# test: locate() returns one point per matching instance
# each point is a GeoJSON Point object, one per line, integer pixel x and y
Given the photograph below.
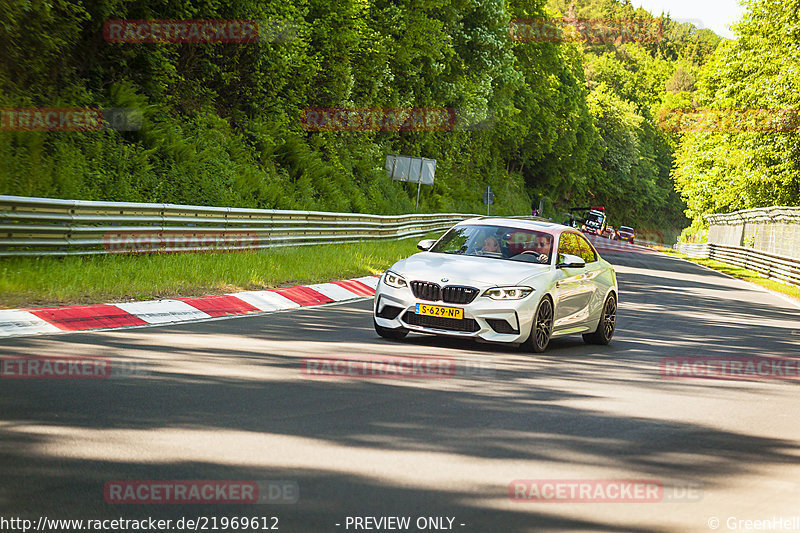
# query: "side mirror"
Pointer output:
{"type": "Point", "coordinates": [426, 244]}
{"type": "Point", "coordinates": [570, 261]}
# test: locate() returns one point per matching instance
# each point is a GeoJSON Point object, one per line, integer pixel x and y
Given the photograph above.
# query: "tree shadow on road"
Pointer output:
{"type": "Point", "coordinates": [244, 378]}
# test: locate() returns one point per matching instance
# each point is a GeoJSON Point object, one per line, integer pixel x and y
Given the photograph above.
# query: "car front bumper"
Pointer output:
{"type": "Point", "coordinates": [507, 321]}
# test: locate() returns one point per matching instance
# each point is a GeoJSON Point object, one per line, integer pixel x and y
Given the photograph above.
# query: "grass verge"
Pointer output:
{"type": "Point", "coordinates": [741, 273]}
{"type": "Point", "coordinates": [45, 281]}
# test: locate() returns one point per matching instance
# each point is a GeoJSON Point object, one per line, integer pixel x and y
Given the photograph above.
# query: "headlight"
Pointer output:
{"type": "Point", "coordinates": [508, 293]}
{"type": "Point", "coordinates": [393, 280]}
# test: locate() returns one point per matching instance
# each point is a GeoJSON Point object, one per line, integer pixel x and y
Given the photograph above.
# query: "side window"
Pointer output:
{"type": "Point", "coordinates": [585, 250]}
{"type": "Point", "coordinates": [567, 245]}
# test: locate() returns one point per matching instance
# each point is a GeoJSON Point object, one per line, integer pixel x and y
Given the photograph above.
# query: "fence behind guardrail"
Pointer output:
{"type": "Point", "coordinates": [773, 230]}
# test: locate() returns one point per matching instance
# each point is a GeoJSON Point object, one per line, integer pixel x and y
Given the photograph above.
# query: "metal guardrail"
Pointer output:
{"type": "Point", "coordinates": [652, 244]}
{"type": "Point", "coordinates": [772, 266]}
{"type": "Point", "coordinates": [45, 226]}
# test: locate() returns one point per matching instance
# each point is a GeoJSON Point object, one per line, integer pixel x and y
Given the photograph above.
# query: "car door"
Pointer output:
{"type": "Point", "coordinates": [591, 291]}
{"type": "Point", "coordinates": [569, 292]}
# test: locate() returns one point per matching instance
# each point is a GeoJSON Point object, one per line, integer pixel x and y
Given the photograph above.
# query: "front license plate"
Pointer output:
{"type": "Point", "coordinates": [438, 310]}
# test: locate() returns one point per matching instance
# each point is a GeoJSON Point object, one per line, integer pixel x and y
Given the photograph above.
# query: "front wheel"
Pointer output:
{"type": "Point", "coordinates": [541, 329]}
{"type": "Point", "coordinates": [608, 321]}
{"type": "Point", "coordinates": [390, 333]}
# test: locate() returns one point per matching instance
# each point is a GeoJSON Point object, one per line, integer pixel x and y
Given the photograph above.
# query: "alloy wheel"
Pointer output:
{"type": "Point", "coordinates": [609, 317]}
{"type": "Point", "coordinates": [544, 324]}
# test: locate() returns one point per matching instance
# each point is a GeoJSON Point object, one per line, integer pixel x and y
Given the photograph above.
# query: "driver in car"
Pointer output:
{"type": "Point", "coordinates": [542, 247]}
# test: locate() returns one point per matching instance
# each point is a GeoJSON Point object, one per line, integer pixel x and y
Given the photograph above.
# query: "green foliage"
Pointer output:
{"type": "Point", "coordinates": [569, 123]}
{"type": "Point", "coordinates": [629, 158]}
{"type": "Point", "coordinates": [722, 171]}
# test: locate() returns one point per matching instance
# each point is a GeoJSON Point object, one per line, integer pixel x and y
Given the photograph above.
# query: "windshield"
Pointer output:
{"type": "Point", "coordinates": [594, 219]}
{"type": "Point", "coordinates": [497, 242]}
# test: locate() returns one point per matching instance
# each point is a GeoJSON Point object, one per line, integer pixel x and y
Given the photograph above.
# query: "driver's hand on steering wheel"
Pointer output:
{"type": "Point", "coordinates": [540, 257]}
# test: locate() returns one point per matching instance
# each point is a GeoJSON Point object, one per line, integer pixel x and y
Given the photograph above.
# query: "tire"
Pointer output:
{"type": "Point", "coordinates": [541, 329]}
{"type": "Point", "coordinates": [394, 334]}
{"type": "Point", "coordinates": [608, 321]}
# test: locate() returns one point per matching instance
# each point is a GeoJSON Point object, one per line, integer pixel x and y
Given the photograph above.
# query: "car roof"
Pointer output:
{"type": "Point", "coordinates": [520, 223]}
{"type": "Point", "coordinates": [626, 227]}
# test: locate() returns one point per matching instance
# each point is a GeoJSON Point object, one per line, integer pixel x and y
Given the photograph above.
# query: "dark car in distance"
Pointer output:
{"type": "Point", "coordinates": [626, 233]}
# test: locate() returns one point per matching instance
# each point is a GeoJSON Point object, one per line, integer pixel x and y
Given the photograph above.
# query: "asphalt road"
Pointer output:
{"type": "Point", "coordinates": [229, 400]}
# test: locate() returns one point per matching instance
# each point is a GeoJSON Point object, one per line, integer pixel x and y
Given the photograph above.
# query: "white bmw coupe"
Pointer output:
{"type": "Point", "coordinates": [501, 280]}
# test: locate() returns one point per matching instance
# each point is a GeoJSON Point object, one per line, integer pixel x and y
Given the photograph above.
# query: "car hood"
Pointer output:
{"type": "Point", "coordinates": [466, 270]}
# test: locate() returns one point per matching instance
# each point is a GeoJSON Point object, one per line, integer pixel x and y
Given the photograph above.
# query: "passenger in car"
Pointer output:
{"type": "Point", "coordinates": [490, 246]}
